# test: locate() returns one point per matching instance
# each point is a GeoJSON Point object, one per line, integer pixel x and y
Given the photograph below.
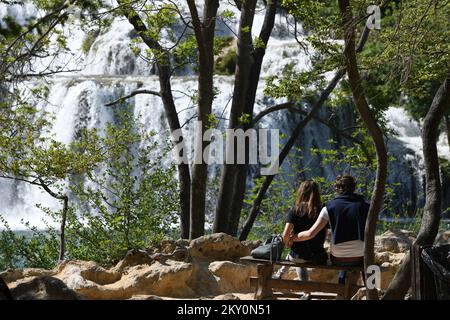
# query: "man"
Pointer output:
{"type": "Point", "coordinates": [346, 214]}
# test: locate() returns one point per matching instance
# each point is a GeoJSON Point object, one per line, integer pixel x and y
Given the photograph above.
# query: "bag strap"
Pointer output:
{"type": "Point", "coordinates": [273, 243]}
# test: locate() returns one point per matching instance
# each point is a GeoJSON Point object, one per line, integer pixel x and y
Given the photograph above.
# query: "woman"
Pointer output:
{"type": "Point", "coordinates": [302, 217]}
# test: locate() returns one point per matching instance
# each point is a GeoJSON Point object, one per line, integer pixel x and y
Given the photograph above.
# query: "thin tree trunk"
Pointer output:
{"type": "Point", "coordinates": [184, 176]}
{"type": "Point", "coordinates": [62, 245]}
{"type": "Point", "coordinates": [204, 34]}
{"type": "Point", "coordinates": [433, 197]}
{"type": "Point", "coordinates": [62, 230]}
{"type": "Point", "coordinates": [248, 224]}
{"type": "Point", "coordinates": [374, 131]}
{"type": "Point", "coordinates": [164, 74]}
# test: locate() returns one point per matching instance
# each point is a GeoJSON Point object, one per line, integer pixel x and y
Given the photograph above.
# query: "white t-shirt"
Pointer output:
{"type": "Point", "coordinates": [348, 249]}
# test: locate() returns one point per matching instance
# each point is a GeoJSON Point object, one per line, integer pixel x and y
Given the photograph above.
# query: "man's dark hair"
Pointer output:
{"type": "Point", "coordinates": [345, 184]}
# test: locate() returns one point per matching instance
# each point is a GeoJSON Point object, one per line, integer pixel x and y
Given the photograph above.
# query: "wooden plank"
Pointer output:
{"type": "Point", "coordinates": [288, 295]}
{"type": "Point", "coordinates": [323, 296]}
{"type": "Point", "coordinates": [350, 284]}
{"type": "Point", "coordinates": [301, 296]}
{"type": "Point", "coordinates": [304, 265]}
{"type": "Point", "coordinates": [263, 289]}
{"type": "Point", "coordinates": [305, 286]}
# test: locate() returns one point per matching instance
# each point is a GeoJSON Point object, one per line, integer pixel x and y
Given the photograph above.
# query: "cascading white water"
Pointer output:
{"type": "Point", "coordinates": [110, 70]}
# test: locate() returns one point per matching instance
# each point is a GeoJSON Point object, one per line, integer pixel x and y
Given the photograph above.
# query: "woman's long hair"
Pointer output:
{"type": "Point", "coordinates": [308, 199]}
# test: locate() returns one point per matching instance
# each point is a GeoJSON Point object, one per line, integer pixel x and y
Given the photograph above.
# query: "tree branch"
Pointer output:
{"type": "Point", "coordinates": [132, 94]}
{"type": "Point", "coordinates": [196, 24]}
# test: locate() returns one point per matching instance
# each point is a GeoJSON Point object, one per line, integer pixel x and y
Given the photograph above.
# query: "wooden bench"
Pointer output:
{"type": "Point", "coordinates": [264, 282]}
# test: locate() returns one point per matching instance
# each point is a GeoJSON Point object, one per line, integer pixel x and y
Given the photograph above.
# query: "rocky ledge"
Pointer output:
{"type": "Point", "coordinates": [206, 268]}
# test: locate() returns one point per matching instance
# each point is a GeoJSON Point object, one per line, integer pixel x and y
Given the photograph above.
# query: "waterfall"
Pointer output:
{"type": "Point", "coordinates": [110, 70]}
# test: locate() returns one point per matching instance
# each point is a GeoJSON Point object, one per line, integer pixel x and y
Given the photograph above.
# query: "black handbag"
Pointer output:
{"type": "Point", "coordinates": [271, 250]}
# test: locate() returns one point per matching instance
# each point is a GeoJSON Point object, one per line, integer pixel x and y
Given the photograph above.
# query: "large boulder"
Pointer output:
{"type": "Point", "coordinates": [93, 282]}
{"type": "Point", "coordinates": [220, 246]}
{"type": "Point", "coordinates": [232, 277]}
{"type": "Point", "coordinates": [41, 288]}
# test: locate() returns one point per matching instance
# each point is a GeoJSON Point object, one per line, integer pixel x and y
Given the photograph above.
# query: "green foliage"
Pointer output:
{"type": "Point", "coordinates": [258, 43]}
{"type": "Point", "coordinates": [245, 29]}
{"type": "Point", "coordinates": [186, 51]}
{"type": "Point", "coordinates": [396, 222]}
{"type": "Point", "coordinates": [32, 248]}
{"type": "Point", "coordinates": [89, 40]}
{"type": "Point", "coordinates": [131, 202]}
{"type": "Point", "coordinates": [213, 121]}
{"type": "Point", "coordinates": [409, 57]}
{"type": "Point", "coordinates": [226, 64]}
{"type": "Point", "coordinates": [244, 119]}
{"type": "Point", "coordinates": [294, 85]}
{"type": "Point", "coordinates": [227, 14]}
{"type": "Point", "coordinates": [220, 43]}
{"type": "Point", "coordinates": [128, 200]}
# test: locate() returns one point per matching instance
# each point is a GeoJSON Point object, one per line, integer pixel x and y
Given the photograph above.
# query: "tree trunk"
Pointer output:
{"type": "Point", "coordinates": [240, 179]}
{"type": "Point", "coordinates": [243, 67]}
{"type": "Point", "coordinates": [164, 74]}
{"type": "Point", "coordinates": [62, 230]}
{"type": "Point", "coordinates": [374, 131]}
{"type": "Point", "coordinates": [204, 34]}
{"type": "Point", "coordinates": [248, 224]}
{"type": "Point", "coordinates": [184, 176]}
{"type": "Point", "coordinates": [62, 244]}
{"type": "Point", "coordinates": [234, 176]}
{"type": "Point", "coordinates": [433, 197]}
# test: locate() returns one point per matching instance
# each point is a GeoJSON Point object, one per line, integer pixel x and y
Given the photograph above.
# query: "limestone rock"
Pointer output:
{"type": "Point", "coordinates": [443, 238]}
{"type": "Point", "coordinates": [133, 258]}
{"type": "Point", "coordinates": [167, 245]}
{"type": "Point", "coordinates": [14, 275]}
{"type": "Point", "coordinates": [232, 276]}
{"type": "Point", "coordinates": [323, 275]}
{"type": "Point", "coordinates": [169, 279]}
{"type": "Point", "coordinates": [219, 246]}
{"type": "Point", "coordinates": [42, 288]}
{"type": "Point", "coordinates": [227, 296]}
{"type": "Point", "coordinates": [394, 241]}
{"type": "Point", "coordinates": [78, 273]}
